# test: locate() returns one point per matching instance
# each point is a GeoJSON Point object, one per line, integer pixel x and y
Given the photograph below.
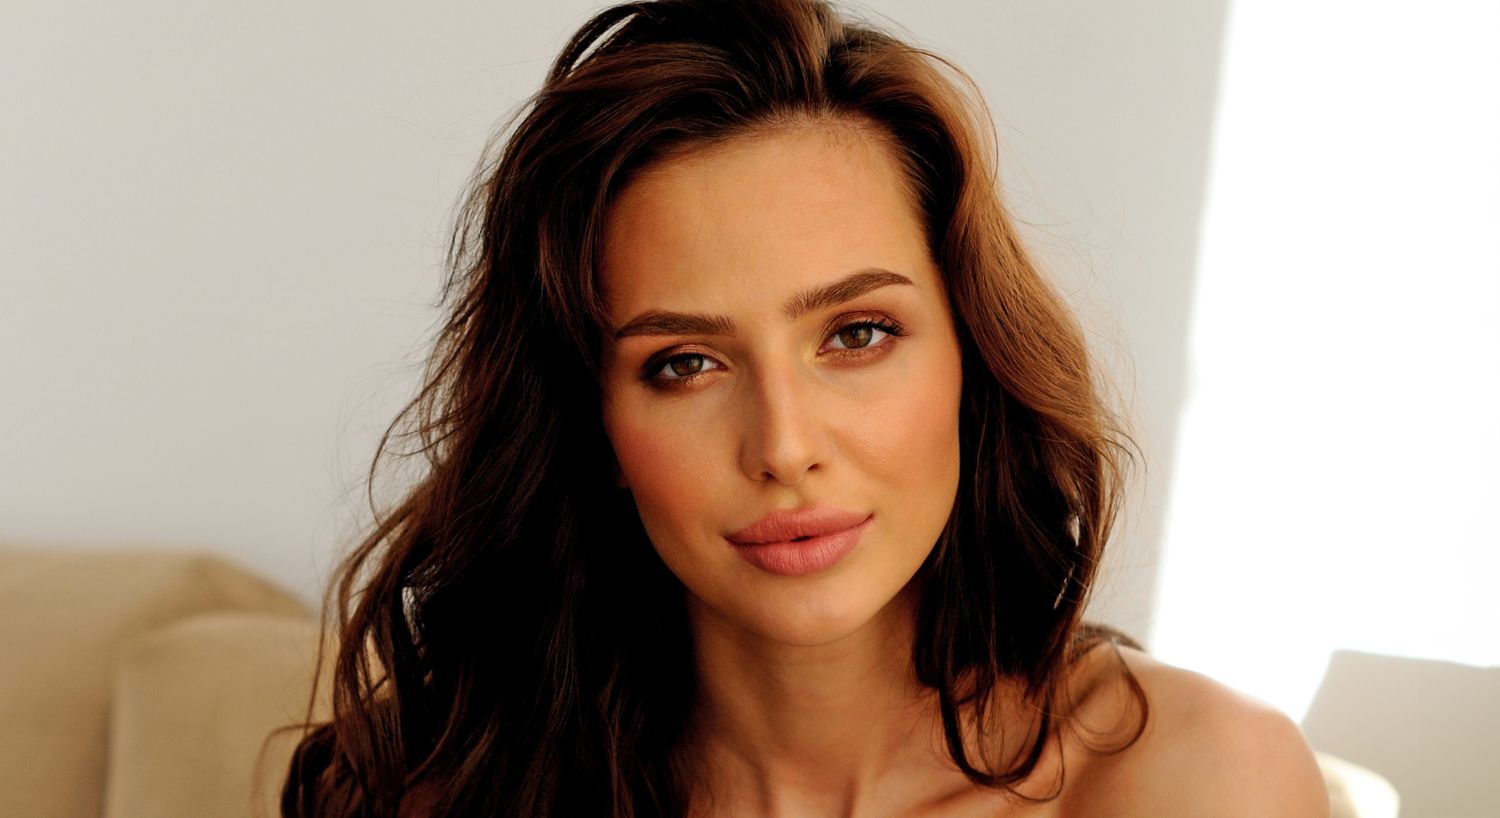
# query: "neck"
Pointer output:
{"type": "Point", "coordinates": [838, 729]}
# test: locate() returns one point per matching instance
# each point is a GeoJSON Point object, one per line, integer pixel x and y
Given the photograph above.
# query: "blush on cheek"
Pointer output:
{"type": "Point", "coordinates": [658, 469]}
{"type": "Point", "coordinates": [911, 431]}
{"type": "Point", "coordinates": [937, 405]}
{"type": "Point", "coordinates": [673, 495]}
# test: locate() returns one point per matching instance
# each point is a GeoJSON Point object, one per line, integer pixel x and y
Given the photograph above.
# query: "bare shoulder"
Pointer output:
{"type": "Point", "coordinates": [1206, 750]}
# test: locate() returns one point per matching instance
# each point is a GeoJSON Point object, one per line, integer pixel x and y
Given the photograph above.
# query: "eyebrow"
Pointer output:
{"type": "Point", "coordinates": [848, 288]}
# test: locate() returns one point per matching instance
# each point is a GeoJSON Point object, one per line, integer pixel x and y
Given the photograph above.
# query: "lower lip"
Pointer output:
{"type": "Point", "coordinates": [793, 559]}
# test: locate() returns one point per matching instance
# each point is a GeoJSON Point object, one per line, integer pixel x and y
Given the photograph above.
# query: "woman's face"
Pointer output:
{"type": "Point", "coordinates": [779, 402]}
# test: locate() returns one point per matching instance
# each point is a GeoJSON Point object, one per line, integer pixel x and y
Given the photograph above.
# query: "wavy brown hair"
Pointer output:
{"type": "Point", "coordinates": [492, 659]}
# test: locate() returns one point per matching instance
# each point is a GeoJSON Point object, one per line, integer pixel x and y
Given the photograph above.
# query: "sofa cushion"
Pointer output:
{"type": "Point", "coordinates": [194, 710]}
{"type": "Point", "coordinates": [63, 616]}
{"type": "Point", "coordinates": [1355, 791]}
{"type": "Point", "coordinates": [1431, 727]}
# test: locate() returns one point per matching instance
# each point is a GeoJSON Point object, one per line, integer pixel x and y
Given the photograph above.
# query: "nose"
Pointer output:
{"type": "Point", "coordinates": [785, 432]}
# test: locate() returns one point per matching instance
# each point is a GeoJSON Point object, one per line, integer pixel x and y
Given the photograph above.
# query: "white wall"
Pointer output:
{"type": "Point", "coordinates": [223, 225]}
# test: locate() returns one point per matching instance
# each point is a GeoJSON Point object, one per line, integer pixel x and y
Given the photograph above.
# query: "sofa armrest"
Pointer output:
{"type": "Point", "coordinates": [194, 704]}
{"type": "Point", "coordinates": [64, 614]}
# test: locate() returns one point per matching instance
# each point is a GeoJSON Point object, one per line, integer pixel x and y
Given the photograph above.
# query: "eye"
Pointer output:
{"type": "Point", "coordinates": [855, 339]}
{"type": "Point", "coordinates": [684, 367]}
{"type": "Point", "coordinates": [861, 335]}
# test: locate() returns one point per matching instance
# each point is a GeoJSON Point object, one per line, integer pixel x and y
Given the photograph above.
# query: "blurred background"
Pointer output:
{"type": "Point", "coordinates": [222, 230]}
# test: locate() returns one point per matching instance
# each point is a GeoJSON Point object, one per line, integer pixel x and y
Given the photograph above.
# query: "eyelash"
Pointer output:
{"type": "Point", "coordinates": [656, 365]}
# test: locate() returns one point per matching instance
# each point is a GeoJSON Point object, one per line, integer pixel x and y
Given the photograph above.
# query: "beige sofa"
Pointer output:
{"type": "Point", "coordinates": [142, 684]}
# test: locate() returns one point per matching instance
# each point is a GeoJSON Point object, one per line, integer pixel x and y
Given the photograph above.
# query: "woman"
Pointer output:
{"type": "Point", "coordinates": [767, 475]}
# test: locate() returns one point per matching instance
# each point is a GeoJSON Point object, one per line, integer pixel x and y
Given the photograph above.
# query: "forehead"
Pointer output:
{"type": "Point", "coordinates": [740, 225]}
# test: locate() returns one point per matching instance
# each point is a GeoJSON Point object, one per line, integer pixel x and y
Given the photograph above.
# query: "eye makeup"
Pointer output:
{"type": "Point", "coordinates": [651, 373]}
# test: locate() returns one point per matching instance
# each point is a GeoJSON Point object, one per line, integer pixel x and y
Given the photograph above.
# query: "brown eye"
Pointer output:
{"type": "Point", "coordinates": [857, 336]}
{"type": "Point", "coordinates": [678, 368]}
{"type": "Point", "coordinates": [686, 365]}
{"type": "Point", "coordinates": [860, 335]}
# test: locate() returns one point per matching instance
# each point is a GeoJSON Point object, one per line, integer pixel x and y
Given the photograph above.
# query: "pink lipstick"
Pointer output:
{"type": "Point", "coordinates": [799, 542]}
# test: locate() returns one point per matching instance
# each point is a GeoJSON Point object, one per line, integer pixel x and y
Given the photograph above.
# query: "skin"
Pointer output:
{"type": "Point", "coordinates": [810, 706]}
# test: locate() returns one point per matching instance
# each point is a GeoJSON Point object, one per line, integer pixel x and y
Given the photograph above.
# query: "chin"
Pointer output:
{"type": "Point", "coordinates": [810, 617]}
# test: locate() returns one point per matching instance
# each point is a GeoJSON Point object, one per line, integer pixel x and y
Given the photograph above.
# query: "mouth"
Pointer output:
{"type": "Point", "coordinates": [800, 526]}
{"type": "Point", "coordinates": [803, 554]}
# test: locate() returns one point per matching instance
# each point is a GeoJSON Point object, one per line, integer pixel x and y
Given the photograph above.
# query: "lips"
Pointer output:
{"type": "Point", "coordinates": [790, 526]}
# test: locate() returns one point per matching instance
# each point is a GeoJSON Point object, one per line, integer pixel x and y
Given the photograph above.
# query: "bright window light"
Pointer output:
{"type": "Point", "coordinates": [1338, 473]}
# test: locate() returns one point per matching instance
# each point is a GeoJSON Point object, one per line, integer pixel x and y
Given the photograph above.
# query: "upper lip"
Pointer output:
{"type": "Point", "coordinates": [780, 526]}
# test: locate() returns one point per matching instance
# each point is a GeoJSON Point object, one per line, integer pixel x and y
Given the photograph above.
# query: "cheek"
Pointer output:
{"type": "Point", "coordinates": [927, 472]}
{"type": "Point", "coordinates": [909, 433]}
{"type": "Point", "coordinates": [658, 463]}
